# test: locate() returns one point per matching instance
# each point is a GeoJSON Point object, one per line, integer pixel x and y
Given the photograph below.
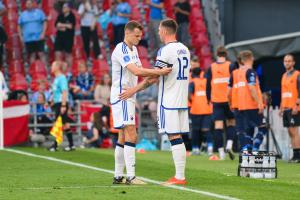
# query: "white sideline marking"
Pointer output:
{"type": "Point", "coordinates": [112, 172]}
{"type": "Point", "coordinates": [76, 187]}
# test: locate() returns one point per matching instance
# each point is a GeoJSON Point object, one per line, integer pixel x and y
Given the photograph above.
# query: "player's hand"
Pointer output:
{"type": "Point", "coordinates": [42, 36]}
{"type": "Point", "coordinates": [165, 70]}
{"type": "Point", "coordinates": [280, 113]}
{"type": "Point", "coordinates": [127, 93]}
{"type": "Point", "coordinates": [63, 109]}
{"type": "Point", "coordinates": [295, 110]}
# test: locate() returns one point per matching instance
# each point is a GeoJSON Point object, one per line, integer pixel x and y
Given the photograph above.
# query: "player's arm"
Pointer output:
{"type": "Point", "coordinates": [208, 84]}
{"type": "Point", "coordinates": [129, 92]}
{"type": "Point", "coordinates": [295, 109]}
{"type": "Point", "coordinates": [191, 91]}
{"type": "Point", "coordinates": [139, 71]}
{"type": "Point", "coordinates": [251, 79]}
{"type": "Point", "coordinates": [229, 93]}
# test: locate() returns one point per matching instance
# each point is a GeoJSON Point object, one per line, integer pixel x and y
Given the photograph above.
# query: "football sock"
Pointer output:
{"type": "Point", "coordinates": [179, 157]}
{"type": "Point", "coordinates": [119, 160]}
{"type": "Point", "coordinates": [129, 156]}
{"type": "Point", "coordinates": [196, 138]}
{"type": "Point", "coordinates": [219, 141]}
{"type": "Point", "coordinates": [230, 136]}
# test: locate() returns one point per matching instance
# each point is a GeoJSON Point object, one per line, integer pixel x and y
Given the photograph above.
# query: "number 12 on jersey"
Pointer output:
{"type": "Point", "coordinates": [183, 64]}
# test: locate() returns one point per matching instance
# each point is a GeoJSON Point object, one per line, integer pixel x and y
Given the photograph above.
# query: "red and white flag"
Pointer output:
{"type": "Point", "coordinates": [15, 119]}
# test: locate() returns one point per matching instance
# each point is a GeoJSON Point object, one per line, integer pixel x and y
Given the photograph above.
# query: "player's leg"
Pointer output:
{"type": "Point", "coordinates": [196, 126]}
{"type": "Point", "coordinates": [293, 129]}
{"type": "Point", "coordinates": [130, 142]}
{"type": "Point", "coordinates": [219, 117]}
{"type": "Point", "coordinates": [119, 159]}
{"type": "Point", "coordinates": [206, 129]}
{"type": "Point", "coordinates": [118, 120]}
{"type": "Point", "coordinates": [176, 124]}
{"type": "Point", "coordinates": [242, 131]}
{"type": "Point", "coordinates": [230, 130]}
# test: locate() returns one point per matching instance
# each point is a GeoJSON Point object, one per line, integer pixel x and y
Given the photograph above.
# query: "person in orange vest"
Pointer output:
{"type": "Point", "coordinates": [290, 101]}
{"type": "Point", "coordinates": [249, 103]}
{"type": "Point", "coordinates": [216, 88]}
{"type": "Point", "coordinates": [200, 112]}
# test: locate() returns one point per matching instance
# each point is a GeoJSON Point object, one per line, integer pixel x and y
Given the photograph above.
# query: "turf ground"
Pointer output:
{"type": "Point", "coordinates": [26, 177]}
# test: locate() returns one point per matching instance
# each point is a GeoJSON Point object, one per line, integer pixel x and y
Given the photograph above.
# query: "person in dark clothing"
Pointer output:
{"type": "Point", "coordinates": [182, 12]}
{"type": "Point", "coordinates": [88, 11]}
{"type": "Point", "coordinates": [65, 24]}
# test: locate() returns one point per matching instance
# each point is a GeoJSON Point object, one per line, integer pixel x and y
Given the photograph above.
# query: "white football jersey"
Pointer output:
{"type": "Point", "coordinates": [121, 76]}
{"type": "Point", "coordinates": [173, 88]}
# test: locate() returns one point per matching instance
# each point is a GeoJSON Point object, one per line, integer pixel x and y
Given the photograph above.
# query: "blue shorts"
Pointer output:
{"type": "Point", "coordinates": [200, 122]}
{"type": "Point", "coordinates": [221, 111]}
{"type": "Point", "coordinates": [249, 119]}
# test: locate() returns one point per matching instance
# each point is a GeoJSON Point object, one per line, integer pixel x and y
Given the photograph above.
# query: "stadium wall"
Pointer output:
{"type": "Point", "coordinates": [250, 19]}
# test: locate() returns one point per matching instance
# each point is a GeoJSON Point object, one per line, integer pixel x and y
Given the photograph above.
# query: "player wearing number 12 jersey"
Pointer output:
{"type": "Point", "coordinates": [173, 94]}
{"type": "Point", "coordinates": [172, 109]}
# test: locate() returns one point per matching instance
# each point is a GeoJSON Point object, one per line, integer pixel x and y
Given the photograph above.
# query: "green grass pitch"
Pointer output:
{"type": "Point", "coordinates": [24, 177]}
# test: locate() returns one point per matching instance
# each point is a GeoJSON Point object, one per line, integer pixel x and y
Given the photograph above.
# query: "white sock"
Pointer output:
{"type": "Point", "coordinates": [119, 161]}
{"type": "Point", "coordinates": [179, 157]}
{"type": "Point", "coordinates": [129, 155]}
{"type": "Point", "coordinates": [229, 144]}
{"type": "Point", "coordinates": [222, 153]}
{"type": "Point", "coordinates": [210, 149]}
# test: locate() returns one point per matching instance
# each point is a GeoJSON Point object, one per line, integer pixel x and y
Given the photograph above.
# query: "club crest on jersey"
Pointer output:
{"type": "Point", "coordinates": [126, 58]}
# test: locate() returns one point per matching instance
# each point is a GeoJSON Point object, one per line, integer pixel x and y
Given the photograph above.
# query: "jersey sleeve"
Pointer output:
{"type": "Point", "coordinates": [162, 59]}
{"type": "Point", "coordinates": [251, 77]}
{"type": "Point", "coordinates": [123, 57]}
{"type": "Point", "coordinates": [230, 84]}
{"type": "Point", "coordinates": [63, 84]}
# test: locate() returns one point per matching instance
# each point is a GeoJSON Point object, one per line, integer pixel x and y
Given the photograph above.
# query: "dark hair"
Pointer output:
{"type": "Point", "coordinates": [170, 24]}
{"type": "Point", "coordinates": [196, 71]}
{"type": "Point", "coordinates": [221, 51]}
{"type": "Point", "coordinates": [291, 55]}
{"type": "Point", "coordinates": [131, 25]}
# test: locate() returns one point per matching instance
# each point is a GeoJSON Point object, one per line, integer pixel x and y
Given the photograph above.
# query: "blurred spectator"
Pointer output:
{"type": "Point", "coordinates": [93, 136]}
{"type": "Point", "coordinates": [32, 27]}
{"type": "Point", "coordinates": [84, 84]}
{"type": "Point", "coordinates": [182, 12]}
{"type": "Point", "coordinates": [65, 25]}
{"type": "Point", "coordinates": [120, 11]}
{"type": "Point", "coordinates": [42, 88]}
{"type": "Point", "coordinates": [3, 86]}
{"type": "Point", "coordinates": [18, 95]}
{"type": "Point", "coordinates": [147, 100]}
{"type": "Point", "coordinates": [102, 90]}
{"type": "Point", "coordinates": [43, 112]}
{"type": "Point", "coordinates": [156, 15]}
{"type": "Point", "coordinates": [3, 36]}
{"type": "Point", "coordinates": [88, 11]}
{"type": "Point", "coordinates": [195, 63]}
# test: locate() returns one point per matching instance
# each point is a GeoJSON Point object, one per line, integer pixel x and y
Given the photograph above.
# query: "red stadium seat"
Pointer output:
{"type": "Point", "coordinates": [100, 67]}
{"type": "Point", "coordinates": [78, 53]}
{"type": "Point", "coordinates": [38, 67]}
{"type": "Point", "coordinates": [11, 28]}
{"type": "Point", "coordinates": [145, 63]}
{"type": "Point", "coordinates": [14, 54]}
{"type": "Point", "coordinates": [143, 52]}
{"type": "Point", "coordinates": [13, 41]}
{"type": "Point", "coordinates": [34, 85]}
{"type": "Point", "coordinates": [205, 62]}
{"type": "Point", "coordinates": [18, 82]}
{"type": "Point", "coordinates": [78, 43]}
{"type": "Point", "coordinates": [16, 66]}
{"type": "Point", "coordinates": [10, 4]}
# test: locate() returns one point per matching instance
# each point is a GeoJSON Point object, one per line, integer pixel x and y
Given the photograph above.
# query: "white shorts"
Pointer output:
{"type": "Point", "coordinates": [123, 113]}
{"type": "Point", "coordinates": [173, 121]}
